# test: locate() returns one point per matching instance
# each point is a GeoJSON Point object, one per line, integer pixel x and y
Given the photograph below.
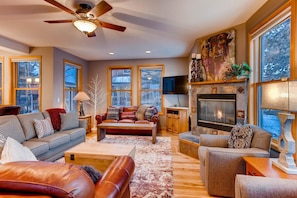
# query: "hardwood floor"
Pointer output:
{"type": "Point", "coordinates": [187, 182]}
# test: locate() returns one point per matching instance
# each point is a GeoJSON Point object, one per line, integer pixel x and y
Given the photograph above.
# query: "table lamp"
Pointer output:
{"type": "Point", "coordinates": [81, 96]}
{"type": "Point", "coordinates": [282, 95]}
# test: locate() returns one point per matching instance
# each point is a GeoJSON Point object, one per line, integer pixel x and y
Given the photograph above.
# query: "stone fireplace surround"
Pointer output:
{"type": "Point", "coordinates": [238, 87]}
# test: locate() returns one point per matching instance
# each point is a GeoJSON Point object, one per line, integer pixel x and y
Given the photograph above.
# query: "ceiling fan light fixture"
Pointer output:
{"type": "Point", "coordinates": [85, 26]}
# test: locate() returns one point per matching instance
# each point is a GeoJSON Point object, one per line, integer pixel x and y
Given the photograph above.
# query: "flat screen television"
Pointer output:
{"type": "Point", "coordinates": [175, 84]}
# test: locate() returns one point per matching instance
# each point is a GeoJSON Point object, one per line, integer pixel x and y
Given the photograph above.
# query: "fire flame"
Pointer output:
{"type": "Point", "coordinates": [219, 114]}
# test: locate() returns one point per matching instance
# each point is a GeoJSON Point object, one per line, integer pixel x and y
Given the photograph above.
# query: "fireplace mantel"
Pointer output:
{"type": "Point", "coordinates": [219, 82]}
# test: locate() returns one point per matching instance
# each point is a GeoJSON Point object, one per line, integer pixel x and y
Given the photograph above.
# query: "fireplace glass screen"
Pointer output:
{"type": "Point", "coordinates": [217, 111]}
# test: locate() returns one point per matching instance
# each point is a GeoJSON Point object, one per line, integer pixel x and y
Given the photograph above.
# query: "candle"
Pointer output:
{"type": "Point", "coordinates": [193, 56]}
{"type": "Point", "coordinates": [198, 56]}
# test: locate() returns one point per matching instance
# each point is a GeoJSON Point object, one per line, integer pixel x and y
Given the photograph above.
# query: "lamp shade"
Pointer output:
{"type": "Point", "coordinates": [81, 96]}
{"type": "Point", "coordinates": [85, 25]}
{"type": "Point", "coordinates": [280, 96]}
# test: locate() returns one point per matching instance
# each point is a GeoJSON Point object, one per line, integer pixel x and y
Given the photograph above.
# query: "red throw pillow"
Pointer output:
{"type": "Point", "coordinates": [55, 117]}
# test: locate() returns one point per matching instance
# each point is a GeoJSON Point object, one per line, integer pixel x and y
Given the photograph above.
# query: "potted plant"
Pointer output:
{"type": "Point", "coordinates": [238, 70]}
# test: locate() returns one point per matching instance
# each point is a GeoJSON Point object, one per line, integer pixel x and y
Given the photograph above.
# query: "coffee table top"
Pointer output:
{"type": "Point", "coordinates": [107, 125]}
{"type": "Point", "coordinates": [100, 150]}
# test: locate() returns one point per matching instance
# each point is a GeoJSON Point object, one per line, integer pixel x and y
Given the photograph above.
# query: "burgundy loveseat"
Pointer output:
{"type": "Point", "coordinates": [129, 114]}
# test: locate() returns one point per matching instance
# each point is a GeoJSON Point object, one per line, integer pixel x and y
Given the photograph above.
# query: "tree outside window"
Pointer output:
{"type": "Point", "coordinates": [120, 86]}
{"type": "Point", "coordinates": [71, 82]}
{"type": "Point", "coordinates": [27, 84]}
{"type": "Point", "coordinates": [150, 87]}
{"type": "Point", "coordinates": [273, 44]}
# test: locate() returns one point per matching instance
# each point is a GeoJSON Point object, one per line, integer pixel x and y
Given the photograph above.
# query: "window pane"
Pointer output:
{"type": "Point", "coordinates": [121, 79]}
{"type": "Point", "coordinates": [28, 74]}
{"type": "Point", "coordinates": [70, 87]}
{"type": "Point", "coordinates": [121, 98]}
{"type": "Point", "coordinates": [151, 79]}
{"type": "Point", "coordinates": [28, 100]}
{"type": "Point", "coordinates": [270, 122]}
{"type": "Point", "coordinates": [152, 98]}
{"type": "Point", "coordinates": [275, 52]}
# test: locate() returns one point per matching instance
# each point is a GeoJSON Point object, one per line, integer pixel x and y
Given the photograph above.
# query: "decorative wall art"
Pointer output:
{"type": "Point", "coordinates": [218, 54]}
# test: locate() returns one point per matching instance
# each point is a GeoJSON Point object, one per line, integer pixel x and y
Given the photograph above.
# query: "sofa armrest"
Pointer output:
{"type": "Point", "coordinates": [214, 140]}
{"type": "Point", "coordinates": [100, 117]}
{"type": "Point", "coordinates": [222, 164]}
{"type": "Point", "coordinates": [82, 123]}
{"type": "Point", "coordinates": [255, 186]}
{"type": "Point", "coordinates": [155, 118]}
{"type": "Point", "coordinates": [116, 179]}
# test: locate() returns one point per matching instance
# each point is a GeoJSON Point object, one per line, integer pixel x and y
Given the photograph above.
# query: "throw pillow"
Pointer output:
{"type": "Point", "coordinates": [242, 138]}
{"type": "Point", "coordinates": [14, 151]}
{"type": "Point", "coordinates": [140, 112]}
{"type": "Point", "coordinates": [43, 127]}
{"type": "Point", "coordinates": [128, 115]}
{"type": "Point", "coordinates": [233, 135]}
{"type": "Point", "coordinates": [55, 117]}
{"type": "Point", "coordinates": [113, 113]}
{"type": "Point", "coordinates": [69, 120]}
{"type": "Point", "coordinates": [92, 172]}
{"type": "Point", "coordinates": [150, 111]}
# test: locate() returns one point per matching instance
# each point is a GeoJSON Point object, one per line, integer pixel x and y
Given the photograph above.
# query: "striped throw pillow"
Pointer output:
{"type": "Point", "coordinates": [43, 127]}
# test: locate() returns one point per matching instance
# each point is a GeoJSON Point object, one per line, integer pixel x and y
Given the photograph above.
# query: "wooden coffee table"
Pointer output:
{"type": "Point", "coordinates": [101, 128]}
{"type": "Point", "coordinates": [97, 154]}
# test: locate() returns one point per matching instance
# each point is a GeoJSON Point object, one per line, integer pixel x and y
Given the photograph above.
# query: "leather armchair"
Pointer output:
{"type": "Point", "coordinates": [220, 164]}
{"type": "Point", "coordinates": [51, 179]}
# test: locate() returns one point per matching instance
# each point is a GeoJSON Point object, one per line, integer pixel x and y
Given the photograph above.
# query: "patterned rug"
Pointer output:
{"type": "Point", "coordinates": [153, 175]}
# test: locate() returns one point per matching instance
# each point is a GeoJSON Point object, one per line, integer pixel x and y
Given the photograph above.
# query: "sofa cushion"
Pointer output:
{"type": "Point", "coordinates": [43, 127]}
{"type": "Point", "coordinates": [11, 127]}
{"type": "Point", "coordinates": [240, 137]}
{"type": "Point", "coordinates": [69, 120]}
{"type": "Point", "coordinates": [2, 142]}
{"type": "Point", "coordinates": [113, 113]}
{"type": "Point", "coordinates": [14, 151]}
{"type": "Point", "coordinates": [54, 140]}
{"type": "Point", "coordinates": [37, 148]}
{"type": "Point", "coordinates": [130, 109]}
{"type": "Point", "coordinates": [27, 123]}
{"type": "Point", "coordinates": [54, 114]}
{"type": "Point", "coordinates": [75, 133]}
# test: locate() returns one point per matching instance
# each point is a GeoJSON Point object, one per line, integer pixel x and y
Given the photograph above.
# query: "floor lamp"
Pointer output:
{"type": "Point", "coordinates": [282, 95]}
{"type": "Point", "coordinates": [81, 97]}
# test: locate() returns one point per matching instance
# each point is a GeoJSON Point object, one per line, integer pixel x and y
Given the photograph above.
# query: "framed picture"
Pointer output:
{"type": "Point", "coordinates": [218, 55]}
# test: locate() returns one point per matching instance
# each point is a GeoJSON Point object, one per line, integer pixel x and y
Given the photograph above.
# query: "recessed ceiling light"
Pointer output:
{"type": "Point", "coordinates": [147, 51]}
{"type": "Point", "coordinates": [111, 53]}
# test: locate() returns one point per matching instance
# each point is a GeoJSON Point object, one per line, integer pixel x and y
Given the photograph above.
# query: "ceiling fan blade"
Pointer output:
{"type": "Point", "coordinates": [91, 34]}
{"type": "Point", "coordinates": [62, 7]}
{"type": "Point", "coordinates": [59, 21]}
{"type": "Point", "coordinates": [112, 26]}
{"type": "Point", "coordinates": [100, 9]}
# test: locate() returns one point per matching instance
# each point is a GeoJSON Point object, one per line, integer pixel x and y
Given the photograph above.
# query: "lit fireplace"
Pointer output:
{"type": "Point", "coordinates": [216, 111]}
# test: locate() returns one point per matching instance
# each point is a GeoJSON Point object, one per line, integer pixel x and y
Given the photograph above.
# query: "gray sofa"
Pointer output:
{"type": "Point", "coordinates": [264, 187]}
{"type": "Point", "coordinates": [220, 164]}
{"type": "Point", "coordinates": [49, 148]}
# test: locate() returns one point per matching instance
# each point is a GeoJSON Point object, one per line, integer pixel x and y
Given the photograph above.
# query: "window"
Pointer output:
{"type": "Point", "coordinates": [150, 86]}
{"type": "Point", "coordinates": [270, 49]}
{"type": "Point", "coordinates": [26, 72]}
{"type": "Point", "coordinates": [71, 85]}
{"type": "Point", "coordinates": [120, 92]}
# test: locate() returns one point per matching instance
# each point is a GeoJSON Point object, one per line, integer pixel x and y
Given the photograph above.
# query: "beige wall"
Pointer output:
{"type": "Point", "coordinates": [51, 74]}
{"type": "Point", "coordinates": [173, 66]}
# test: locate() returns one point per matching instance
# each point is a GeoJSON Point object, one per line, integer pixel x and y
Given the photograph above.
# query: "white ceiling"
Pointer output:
{"type": "Point", "coordinates": [168, 28]}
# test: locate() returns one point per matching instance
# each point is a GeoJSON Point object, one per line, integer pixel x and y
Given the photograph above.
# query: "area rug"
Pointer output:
{"type": "Point", "coordinates": [153, 175]}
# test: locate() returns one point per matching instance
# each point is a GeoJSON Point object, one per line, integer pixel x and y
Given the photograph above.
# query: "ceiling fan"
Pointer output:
{"type": "Point", "coordinates": [86, 17]}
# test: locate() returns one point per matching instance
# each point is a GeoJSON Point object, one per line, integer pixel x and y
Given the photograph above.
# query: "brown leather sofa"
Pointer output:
{"type": "Point", "coordinates": [128, 114]}
{"type": "Point", "coordinates": [51, 179]}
